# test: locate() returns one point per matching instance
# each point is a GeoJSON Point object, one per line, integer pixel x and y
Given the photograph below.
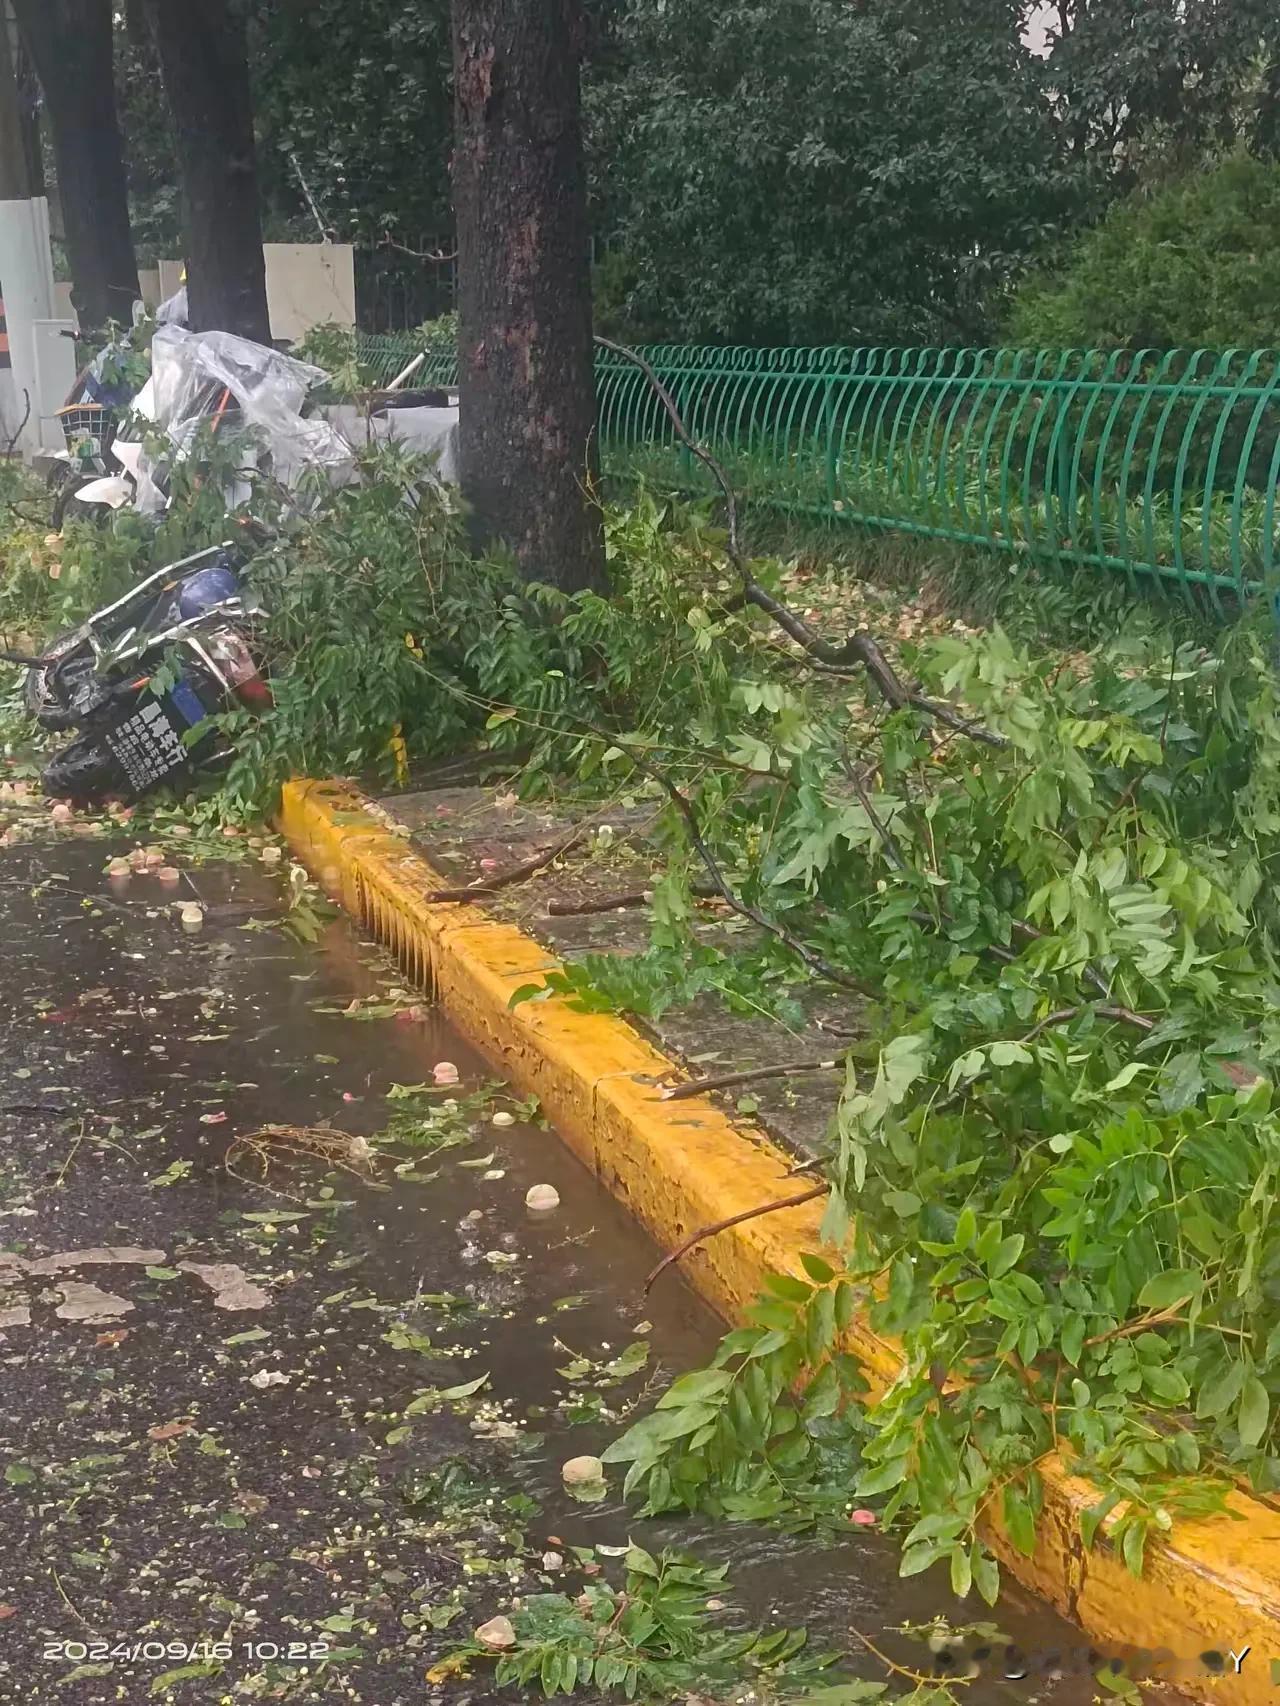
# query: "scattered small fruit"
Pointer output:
{"type": "Point", "coordinates": [582, 1472]}
{"type": "Point", "coordinates": [497, 1634]}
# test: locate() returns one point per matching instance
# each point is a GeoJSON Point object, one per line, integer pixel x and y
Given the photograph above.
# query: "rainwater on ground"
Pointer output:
{"type": "Point", "coordinates": [225, 1457]}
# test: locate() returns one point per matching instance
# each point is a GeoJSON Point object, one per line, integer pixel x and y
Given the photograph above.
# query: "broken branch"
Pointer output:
{"type": "Point", "coordinates": [859, 648]}
{"type": "Point", "coordinates": [727, 1080]}
{"type": "Point", "coordinates": [515, 874]}
{"type": "Point", "coordinates": [779, 932]}
{"type": "Point", "coordinates": [715, 1226]}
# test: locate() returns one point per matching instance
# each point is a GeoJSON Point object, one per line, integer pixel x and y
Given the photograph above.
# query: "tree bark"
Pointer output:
{"type": "Point", "coordinates": [205, 69]}
{"type": "Point", "coordinates": [29, 101]}
{"type": "Point", "coordinates": [15, 169]}
{"type": "Point", "coordinates": [528, 418]}
{"type": "Point", "coordinates": [70, 46]}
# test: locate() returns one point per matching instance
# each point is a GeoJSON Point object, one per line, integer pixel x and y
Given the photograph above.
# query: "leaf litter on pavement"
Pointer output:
{"type": "Point", "coordinates": [315, 1505]}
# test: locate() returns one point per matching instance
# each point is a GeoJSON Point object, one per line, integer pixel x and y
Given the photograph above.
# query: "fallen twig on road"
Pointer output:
{"type": "Point", "coordinates": [516, 873]}
{"type": "Point", "coordinates": [710, 1230]}
{"type": "Point", "coordinates": [753, 1075]}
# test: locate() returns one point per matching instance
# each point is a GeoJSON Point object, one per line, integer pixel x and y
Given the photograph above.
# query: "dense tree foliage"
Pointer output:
{"type": "Point", "coordinates": [356, 98]}
{"type": "Point", "coordinates": [351, 102]}
{"type": "Point", "coordinates": [1146, 83]}
{"type": "Point", "coordinates": [804, 170]}
{"type": "Point", "coordinates": [786, 170]}
{"type": "Point", "coordinates": [1193, 265]}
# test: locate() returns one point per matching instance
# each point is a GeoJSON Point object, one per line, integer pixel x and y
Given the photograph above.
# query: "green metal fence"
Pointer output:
{"type": "Point", "coordinates": [1150, 463]}
{"type": "Point", "coordinates": [384, 354]}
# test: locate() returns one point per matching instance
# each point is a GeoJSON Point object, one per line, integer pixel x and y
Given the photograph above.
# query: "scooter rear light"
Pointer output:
{"type": "Point", "coordinates": [253, 690]}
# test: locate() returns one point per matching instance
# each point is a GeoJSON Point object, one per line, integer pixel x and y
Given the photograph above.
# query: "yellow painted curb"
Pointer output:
{"type": "Point", "coordinates": [1213, 1585]}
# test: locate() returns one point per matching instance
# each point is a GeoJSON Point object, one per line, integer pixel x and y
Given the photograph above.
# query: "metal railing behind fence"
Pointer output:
{"type": "Point", "coordinates": [1150, 463]}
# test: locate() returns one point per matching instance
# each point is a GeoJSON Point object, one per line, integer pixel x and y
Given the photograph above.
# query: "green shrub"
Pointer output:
{"type": "Point", "coordinates": [1194, 265]}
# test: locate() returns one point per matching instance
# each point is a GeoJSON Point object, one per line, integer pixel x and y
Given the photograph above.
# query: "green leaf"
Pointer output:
{"type": "Point", "coordinates": [1181, 1081]}
{"type": "Point", "coordinates": [1218, 1395]}
{"type": "Point", "coordinates": [1125, 1076]}
{"type": "Point", "coordinates": [696, 1388]}
{"type": "Point", "coordinates": [1165, 1384]}
{"type": "Point", "coordinates": [1173, 1286]}
{"type": "Point", "coordinates": [904, 1204]}
{"type": "Point", "coordinates": [1072, 1339]}
{"type": "Point", "coordinates": [882, 1479]}
{"type": "Point", "coordinates": [820, 1325]}
{"type": "Point", "coordinates": [1006, 1255]}
{"type": "Point", "coordinates": [1133, 1547]}
{"type": "Point", "coordinates": [986, 1573]}
{"type": "Point", "coordinates": [1254, 1413]}
{"type": "Point", "coordinates": [915, 1559]}
{"type": "Point", "coordinates": [817, 1269]}
{"type": "Point", "coordinates": [1019, 1519]}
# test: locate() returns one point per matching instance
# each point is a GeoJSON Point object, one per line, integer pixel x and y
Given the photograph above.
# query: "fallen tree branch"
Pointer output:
{"type": "Point", "coordinates": [715, 1226]}
{"type": "Point", "coordinates": [860, 648]}
{"type": "Point", "coordinates": [779, 932]}
{"type": "Point", "coordinates": [857, 782]}
{"type": "Point", "coordinates": [20, 428]}
{"type": "Point", "coordinates": [1090, 974]}
{"type": "Point", "coordinates": [1141, 1324]}
{"type": "Point", "coordinates": [753, 1075]}
{"type": "Point", "coordinates": [515, 874]}
{"type": "Point", "coordinates": [1064, 1016]}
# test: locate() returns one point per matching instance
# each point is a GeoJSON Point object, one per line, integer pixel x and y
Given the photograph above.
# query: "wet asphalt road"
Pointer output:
{"type": "Point", "coordinates": [238, 1489]}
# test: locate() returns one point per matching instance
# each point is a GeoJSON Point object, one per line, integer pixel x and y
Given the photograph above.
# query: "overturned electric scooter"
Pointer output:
{"type": "Point", "coordinates": [143, 677]}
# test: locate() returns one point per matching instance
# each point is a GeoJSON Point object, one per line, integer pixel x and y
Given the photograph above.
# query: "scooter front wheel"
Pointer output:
{"type": "Point", "coordinates": [44, 689]}
{"type": "Point", "coordinates": [85, 772]}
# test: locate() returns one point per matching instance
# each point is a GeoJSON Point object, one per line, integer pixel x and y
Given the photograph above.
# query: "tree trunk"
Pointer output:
{"type": "Point", "coordinates": [70, 46]}
{"type": "Point", "coordinates": [29, 101]}
{"type": "Point", "coordinates": [15, 167]}
{"type": "Point", "coordinates": [526, 371]}
{"type": "Point", "coordinates": [205, 69]}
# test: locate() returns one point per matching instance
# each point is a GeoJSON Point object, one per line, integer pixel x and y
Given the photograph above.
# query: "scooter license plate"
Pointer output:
{"type": "Point", "coordinates": [147, 744]}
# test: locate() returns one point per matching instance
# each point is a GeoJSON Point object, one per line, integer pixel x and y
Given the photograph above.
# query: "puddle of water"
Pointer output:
{"type": "Point", "coordinates": [126, 1024]}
